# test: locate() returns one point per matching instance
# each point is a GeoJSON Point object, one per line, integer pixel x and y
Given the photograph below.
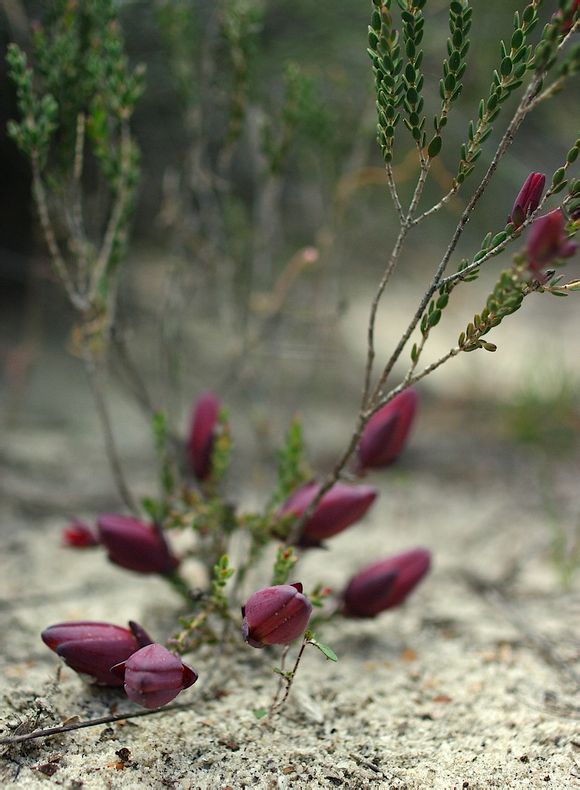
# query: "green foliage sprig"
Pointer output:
{"type": "Point", "coordinates": [385, 53]}
{"type": "Point", "coordinates": [413, 25]}
{"type": "Point", "coordinates": [454, 66]}
{"type": "Point", "coordinates": [515, 60]}
{"type": "Point", "coordinates": [76, 99]}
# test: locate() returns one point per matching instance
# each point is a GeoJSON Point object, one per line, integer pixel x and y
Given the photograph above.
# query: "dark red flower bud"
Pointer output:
{"type": "Point", "coordinates": [547, 240]}
{"type": "Point", "coordinates": [153, 676]}
{"type": "Point", "coordinates": [385, 584]}
{"type": "Point", "coordinates": [567, 19]}
{"type": "Point", "coordinates": [528, 198]}
{"type": "Point", "coordinates": [387, 431]}
{"type": "Point", "coordinates": [93, 648]}
{"type": "Point", "coordinates": [134, 545]}
{"type": "Point", "coordinates": [204, 420]}
{"type": "Point", "coordinates": [340, 507]}
{"type": "Point", "coordinates": [275, 615]}
{"type": "Point", "coordinates": [79, 535]}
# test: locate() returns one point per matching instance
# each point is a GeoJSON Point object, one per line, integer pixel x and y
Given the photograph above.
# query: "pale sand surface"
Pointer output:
{"type": "Point", "coordinates": [460, 689]}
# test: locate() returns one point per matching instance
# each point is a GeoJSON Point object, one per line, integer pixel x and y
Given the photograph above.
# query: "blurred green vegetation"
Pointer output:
{"type": "Point", "coordinates": [329, 43]}
{"type": "Point", "coordinates": [545, 418]}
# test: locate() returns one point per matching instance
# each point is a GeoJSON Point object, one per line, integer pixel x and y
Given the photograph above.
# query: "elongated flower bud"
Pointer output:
{"type": "Point", "coordinates": [275, 615]}
{"type": "Point", "coordinates": [340, 507]}
{"type": "Point", "coordinates": [204, 420]}
{"type": "Point", "coordinates": [528, 198]}
{"type": "Point", "coordinates": [153, 676]}
{"type": "Point", "coordinates": [79, 535]}
{"type": "Point", "coordinates": [387, 431]}
{"type": "Point", "coordinates": [547, 241]}
{"type": "Point", "coordinates": [385, 584]}
{"type": "Point", "coordinates": [92, 648]}
{"type": "Point", "coordinates": [134, 545]}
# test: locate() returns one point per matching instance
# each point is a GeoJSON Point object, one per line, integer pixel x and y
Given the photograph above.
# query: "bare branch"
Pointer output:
{"type": "Point", "coordinates": [92, 366]}
{"type": "Point", "coordinates": [117, 213]}
{"type": "Point", "coordinates": [56, 255]}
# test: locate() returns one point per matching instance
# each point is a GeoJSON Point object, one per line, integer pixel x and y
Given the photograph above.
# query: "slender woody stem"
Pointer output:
{"type": "Point", "coordinates": [56, 255]}
{"type": "Point", "coordinates": [288, 679]}
{"type": "Point", "coordinates": [394, 193]}
{"type": "Point", "coordinates": [505, 143]}
{"type": "Point", "coordinates": [95, 377]}
{"type": "Point", "coordinates": [117, 213]}
{"type": "Point", "coordinates": [372, 402]}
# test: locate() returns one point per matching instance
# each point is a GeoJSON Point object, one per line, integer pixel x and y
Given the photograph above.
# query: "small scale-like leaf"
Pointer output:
{"type": "Point", "coordinates": [259, 713]}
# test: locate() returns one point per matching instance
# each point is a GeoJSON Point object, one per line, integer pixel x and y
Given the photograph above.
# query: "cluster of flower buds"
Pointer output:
{"type": "Point", "coordinates": [340, 507]}
{"type": "Point", "coordinates": [200, 443]}
{"type": "Point", "coordinates": [115, 656]}
{"type": "Point", "coordinates": [275, 615]}
{"type": "Point", "coordinates": [385, 584]}
{"type": "Point", "coordinates": [129, 543]}
{"type": "Point", "coordinates": [92, 648]}
{"type": "Point", "coordinates": [387, 431]}
{"type": "Point", "coordinates": [547, 241]}
{"type": "Point", "coordinates": [150, 674]}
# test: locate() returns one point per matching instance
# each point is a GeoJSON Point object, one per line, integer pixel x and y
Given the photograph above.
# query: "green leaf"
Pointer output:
{"type": "Point", "coordinates": [259, 713]}
{"type": "Point", "coordinates": [434, 146]}
{"type": "Point", "coordinates": [325, 649]}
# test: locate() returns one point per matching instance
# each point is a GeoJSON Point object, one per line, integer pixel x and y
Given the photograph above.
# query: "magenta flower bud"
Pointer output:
{"type": "Point", "coordinates": [387, 431]}
{"type": "Point", "coordinates": [528, 198]}
{"type": "Point", "coordinates": [79, 535]}
{"type": "Point", "coordinates": [340, 507]}
{"type": "Point", "coordinates": [134, 545]}
{"type": "Point", "coordinates": [547, 241]}
{"type": "Point", "coordinates": [385, 584]}
{"type": "Point", "coordinates": [275, 615]}
{"type": "Point", "coordinates": [153, 676]}
{"type": "Point", "coordinates": [204, 420]}
{"type": "Point", "coordinates": [92, 648]}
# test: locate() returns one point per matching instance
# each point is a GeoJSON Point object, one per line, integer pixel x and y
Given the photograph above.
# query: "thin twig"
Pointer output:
{"type": "Point", "coordinates": [77, 222]}
{"type": "Point", "coordinates": [117, 212]}
{"type": "Point", "coordinates": [79, 725]}
{"type": "Point", "coordinates": [372, 402]}
{"type": "Point", "coordinates": [505, 143]}
{"type": "Point", "coordinates": [421, 181]}
{"type": "Point", "coordinates": [394, 193]}
{"type": "Point", "coordinates": [56, 255]}
{"type": "Point", "coordinates": [394, 257]}
{"type": "Point", "coordinates": [439, 205]}
{"type": "Point", "coordinates": [283, 657]}
{"type": "Point", "coordinates": [94, 372]}
{"type": "Point", "coordinates": [405, 225]}
{"type": "Point", "coordinates": [288, 679]}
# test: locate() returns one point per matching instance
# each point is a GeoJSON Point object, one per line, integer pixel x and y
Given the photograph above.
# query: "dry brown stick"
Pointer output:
{"type": "Point", "coordinates": [79, 725]}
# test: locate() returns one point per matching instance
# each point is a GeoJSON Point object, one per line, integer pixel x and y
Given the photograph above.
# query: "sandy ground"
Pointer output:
{"type": "Point", "coordinates": [472, 685]}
